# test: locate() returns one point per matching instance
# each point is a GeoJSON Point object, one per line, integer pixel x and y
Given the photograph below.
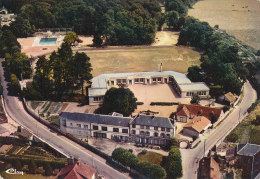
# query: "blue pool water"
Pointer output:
{"type": "Point", "coordinates": [48, 41]}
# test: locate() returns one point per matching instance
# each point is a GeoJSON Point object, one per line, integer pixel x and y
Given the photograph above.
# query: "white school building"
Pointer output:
{"type": "Point", "coordinates": [180, 82]}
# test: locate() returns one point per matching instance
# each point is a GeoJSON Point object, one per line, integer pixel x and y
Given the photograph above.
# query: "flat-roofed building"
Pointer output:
{"type": "Point", "coordinates": [180, 82]}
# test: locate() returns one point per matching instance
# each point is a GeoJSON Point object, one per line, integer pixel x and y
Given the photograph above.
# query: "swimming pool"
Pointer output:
{"type": "Point", "coordinates": [48, 41]}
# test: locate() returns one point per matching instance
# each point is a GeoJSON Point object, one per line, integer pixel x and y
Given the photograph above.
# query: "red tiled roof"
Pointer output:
{"type": "Point", "coordinates": [183, 112]}
{"type": "Point", "coordinates": [198, 123]}
{"type": "Point", "coordinates": [77, 171]}
{"type": "Point", "coordinates": [197, 110]}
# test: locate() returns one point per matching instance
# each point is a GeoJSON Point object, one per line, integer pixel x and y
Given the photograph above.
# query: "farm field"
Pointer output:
{"type": "Point", "coordinates": [143, 59]}
{"type": "Point", "coordinates": [238, 17]}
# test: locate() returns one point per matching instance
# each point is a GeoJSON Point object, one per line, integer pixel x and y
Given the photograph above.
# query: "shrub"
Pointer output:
{"type": "Point", "coordinates": [163, 103]}
{"type": "Point", "coordinates": [144, 152]}
{"type": "Point", "coordinates": [226, 108]}
{"type": "Point", "coordinates": [139, 103]}
{"type": "Point", "coordinates": [232, 137]}
{"type": "Point", "coordinates": [253, 106]}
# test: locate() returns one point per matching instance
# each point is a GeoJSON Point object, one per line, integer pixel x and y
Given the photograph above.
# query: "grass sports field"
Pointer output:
{"type": "Point", "coordinates": [143, 59]}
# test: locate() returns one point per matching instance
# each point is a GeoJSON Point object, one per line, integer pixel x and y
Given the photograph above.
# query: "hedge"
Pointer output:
{"type": "Point", "coordinates": [164, 103]}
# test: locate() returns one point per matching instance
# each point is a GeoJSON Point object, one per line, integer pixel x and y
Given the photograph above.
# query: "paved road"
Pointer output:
{"type": "Point", "coordinates": [16, 111]}
{"type": "Point", "coordinates": [191, 156]}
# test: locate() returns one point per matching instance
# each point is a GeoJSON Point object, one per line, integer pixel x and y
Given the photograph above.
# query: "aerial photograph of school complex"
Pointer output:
{"type": "Point", "coordinates": [117, 89]}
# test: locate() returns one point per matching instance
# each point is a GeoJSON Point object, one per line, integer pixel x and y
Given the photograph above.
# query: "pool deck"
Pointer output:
{"type": "Point", "coordinates": [30, 47]}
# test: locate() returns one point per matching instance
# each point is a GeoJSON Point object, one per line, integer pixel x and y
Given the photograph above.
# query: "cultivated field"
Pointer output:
{"type": "Point", "coordinates": [238, 17]}
{"type": "Point", "coordinates": [138, 60]}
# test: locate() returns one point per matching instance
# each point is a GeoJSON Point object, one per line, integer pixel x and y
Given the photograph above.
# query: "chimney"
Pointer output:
{"type": "Point", "coordinates": [160, 68]}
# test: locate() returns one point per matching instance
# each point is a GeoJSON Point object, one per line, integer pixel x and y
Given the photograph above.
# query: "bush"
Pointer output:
{"type": "Point", "coordinates": [232, 137]}
{"type": "Point", "coordinates": [226, 108]}
{"type": "Point", "coordinates": [143, 152]}
{"type": "Point", "coordinates": [163, 103]}
{"type": "Point", "coordinates": [253, 106]}
{"type": "Point", "coordinates": [139, 103]}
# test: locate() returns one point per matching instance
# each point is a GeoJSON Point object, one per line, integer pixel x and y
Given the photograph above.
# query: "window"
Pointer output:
{"type": "Point", "coordinates": [147, 133]}
{"type": "Point", "coordinates": [162, 129]}
{"type": "Point", "coordinates": [86, 126]}
{"type": "Point", "coordinates": [155, 134]}
{"type": "Point", "coordinates": [159, 79]}
{"type": "Point", "coordinates": [104, 128]}
{"type": "Point", "coordinates": [79, 125]}
{"type": "Point", "coordinates": [168, 129]}
{"type": "Point", "coordinates": [133, 126]}
{"type": "Point", "coordinates": [133, 131]}
{"type": "Point", "coordinates": [112, 83]}
{"type": "Point", "coordinates": [99, 98]}
{"type": "Point", "coordinates": [188, 94]}
{"type": "Point", "coordinates": [124, 81]}
{"type": "Point", "coordinates": [162, 135]}
{"type": "Point", "coordinates": [156, 128]}
{"type": "Point", "coordinates": [141, 132]}
{"type": "Point", "coordinates": [137, 80]}
{"type": "Point", "coordinates": [168, 135]}
{"type": "Point", "coordinates": [95, 127]}
{"type": "Point", "coordinates": [154, 79]}
{"type": "Point", "coordinates": [115, 130]}
{"type": "Point", "coordinates": [165, 80]}
{"type": "Point", "coordinates": [142, 80]}
{"type": "Point", "coordinates": [147, 127]}
{"type": "Point", "coordinates": [142, 127]}
{"type": "Point", "coordinates": [118, 81]}
{"type": "Point", "coordinates": [125, 131]}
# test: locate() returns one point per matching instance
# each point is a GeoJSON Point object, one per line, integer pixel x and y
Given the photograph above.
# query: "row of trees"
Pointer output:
{"type": "Point", "coordinates": [18, 63]}
{"type": "Point", "coordinates": [221, 66]}
{"type": "Point", "coordinates": [127, 158]}
{"type": "Point", "coordinates": [60, 74]}
{"type": "Point", "coordinates": [118, 22]}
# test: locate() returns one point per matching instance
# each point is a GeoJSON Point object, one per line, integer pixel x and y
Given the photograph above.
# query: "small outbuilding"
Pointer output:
{"type": "Point", "coordinates": [196, 126]}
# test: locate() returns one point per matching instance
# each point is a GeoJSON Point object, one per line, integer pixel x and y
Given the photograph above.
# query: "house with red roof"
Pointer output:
{"type": "Point", "coordinates": [77, 170]}
{"type": "Point", "coordinates": [189, 111]}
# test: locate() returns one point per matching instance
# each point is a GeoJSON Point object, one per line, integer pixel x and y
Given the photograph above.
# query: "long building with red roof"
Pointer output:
{"type": "Point", "coordinates": [189, 111]}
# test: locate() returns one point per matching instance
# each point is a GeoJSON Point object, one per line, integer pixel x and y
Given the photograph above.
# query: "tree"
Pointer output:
{"type": "Point", "coordinates": [97, 40]}
{"type": "Point", "coordinates": [195, 74]}
{"type": "Point", "coordinates": [232, 137]}
{"type": "Point", "coordinates": [15, 84]}
{"type": "Point", "coordinates": [195, 99]}
{"type": "Point", "coordinates": [152, 171]}
{"type": "Point", "coordinates": [172, 19]}
{"type": "Point", "coordinates": [21, 27]}
{"type": "Point", "coordinates": [32, 167]}
{"type": "Point", "coordinates": [125, 157]}
{"type": "Point", "coordinates": [42, 79]}
{"type": "Point", "coordinates": [70, 38]}
{"type": "Point", "coordinates": [173, 163]}
{"type": "Point", "coordinates": [174, 142]}
{"type": "Point", "coordinates": [83, 69]}
{"type": "Point", "coordinates": [120, 100]}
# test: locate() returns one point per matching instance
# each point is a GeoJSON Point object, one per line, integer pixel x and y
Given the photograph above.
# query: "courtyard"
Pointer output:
{"type": "Point", "coordinates": [156, 93]}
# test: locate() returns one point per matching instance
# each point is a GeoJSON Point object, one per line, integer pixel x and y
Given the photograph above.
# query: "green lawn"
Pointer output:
{"type": "Point", "coordinates": [255, 135]}
{"type": "Point", "coordinates": [151, 157]}
{"type": "Point", "coordinates": [246, 131]}
{"type": "Point", "coordinates": [54, 120]}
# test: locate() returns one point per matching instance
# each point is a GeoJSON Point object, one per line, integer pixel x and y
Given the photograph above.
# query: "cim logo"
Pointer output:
{"type": "Point", "coordinates": [13, 171]}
